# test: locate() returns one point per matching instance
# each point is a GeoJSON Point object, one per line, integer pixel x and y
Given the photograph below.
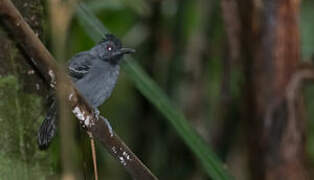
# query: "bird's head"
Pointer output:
{"type": "Point", "coordinates": [111, 50]}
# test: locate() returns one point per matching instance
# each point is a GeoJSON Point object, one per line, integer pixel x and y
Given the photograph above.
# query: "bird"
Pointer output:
{"type": "Point", "coordinates": [94, 73]}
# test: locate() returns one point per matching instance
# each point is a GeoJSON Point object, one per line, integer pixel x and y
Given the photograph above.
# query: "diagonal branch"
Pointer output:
{"type": "Point", "coordinates": [96, 125]}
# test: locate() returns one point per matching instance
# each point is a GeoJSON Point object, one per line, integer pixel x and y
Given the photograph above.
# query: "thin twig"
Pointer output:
{"type": "Point", "coordinates": [296, 82]}
{"type": "Point", "coordinates": [43, 60]}
{"type": "Point", "coordinates": [92, 144]}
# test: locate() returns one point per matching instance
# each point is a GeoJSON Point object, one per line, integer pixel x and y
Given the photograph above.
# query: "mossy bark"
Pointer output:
{"type": "Point", "coordinates": [21, 93]}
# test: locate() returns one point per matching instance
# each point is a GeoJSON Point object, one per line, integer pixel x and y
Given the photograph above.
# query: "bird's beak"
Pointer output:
{"type": "Point", "coordinates": [127, 50]}
{"type": "Point", "coordinates": [123, 51]}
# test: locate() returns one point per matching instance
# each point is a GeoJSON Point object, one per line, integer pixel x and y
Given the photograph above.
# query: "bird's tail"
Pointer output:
{"type": "Point", "coordinates": [47, 129]}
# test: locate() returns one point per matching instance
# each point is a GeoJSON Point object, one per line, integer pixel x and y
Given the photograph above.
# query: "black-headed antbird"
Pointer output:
{"type": "Point", "coordinates": [95, 73]}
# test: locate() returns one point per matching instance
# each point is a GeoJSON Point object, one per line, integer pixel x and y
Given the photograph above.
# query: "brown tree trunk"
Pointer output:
{"type": "Point", "coordinates": [21, 89]}
{"type": "Point", "coordinates": [276, 125]}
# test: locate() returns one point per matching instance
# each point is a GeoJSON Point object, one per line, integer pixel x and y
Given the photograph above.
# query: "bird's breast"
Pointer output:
{"type": "Point", "coordinates": [99, 83]}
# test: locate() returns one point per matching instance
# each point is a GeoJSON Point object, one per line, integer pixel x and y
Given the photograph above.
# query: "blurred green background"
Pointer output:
{"type": "Point", "coordinates": [182, 46]}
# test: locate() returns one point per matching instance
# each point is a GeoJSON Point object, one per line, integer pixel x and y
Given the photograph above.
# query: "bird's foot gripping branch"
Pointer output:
{"type": "Point", "coordinates": [45, 63]}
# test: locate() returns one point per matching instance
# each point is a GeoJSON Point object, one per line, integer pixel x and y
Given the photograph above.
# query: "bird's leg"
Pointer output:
{"type": "Point", "coordinates": [97, 112]}
{"type": "Point", "coordinates": [108, 126]}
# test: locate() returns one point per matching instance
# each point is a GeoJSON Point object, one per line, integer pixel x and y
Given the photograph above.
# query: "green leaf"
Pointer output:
{"type": "Point", "coordinates": [148, 87]}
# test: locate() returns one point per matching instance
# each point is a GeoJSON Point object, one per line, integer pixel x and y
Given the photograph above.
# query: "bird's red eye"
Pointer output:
{"type": "Point", "coordinates": [109, 48]}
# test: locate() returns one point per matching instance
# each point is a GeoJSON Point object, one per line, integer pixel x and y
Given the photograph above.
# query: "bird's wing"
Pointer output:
{"type": "Point", "coordinates": [79, 65]}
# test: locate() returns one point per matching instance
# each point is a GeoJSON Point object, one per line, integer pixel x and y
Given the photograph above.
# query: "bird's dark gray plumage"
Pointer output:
{"type": "Point", "coordinates": [95, 73]}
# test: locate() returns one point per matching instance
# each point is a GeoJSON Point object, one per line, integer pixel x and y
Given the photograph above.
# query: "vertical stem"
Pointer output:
{"type": "Point", "coordinates": [276, 137]}
{"type": "Point", "coordinates": [92, 144]}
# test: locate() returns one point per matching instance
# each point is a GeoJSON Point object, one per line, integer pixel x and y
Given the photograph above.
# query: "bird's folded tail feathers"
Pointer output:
{"type": "Point", "coordinates": [47, 129]}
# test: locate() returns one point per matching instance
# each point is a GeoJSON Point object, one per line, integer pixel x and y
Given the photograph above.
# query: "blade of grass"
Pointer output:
{"type": "Point", "coordinates": [96, 6]}
{"type": "Point", "coordinates": [140, 7]}
{"type": "Point", "coordinates": [213, 166]}
{"type": "Point", "coordinates": [91, 24]}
